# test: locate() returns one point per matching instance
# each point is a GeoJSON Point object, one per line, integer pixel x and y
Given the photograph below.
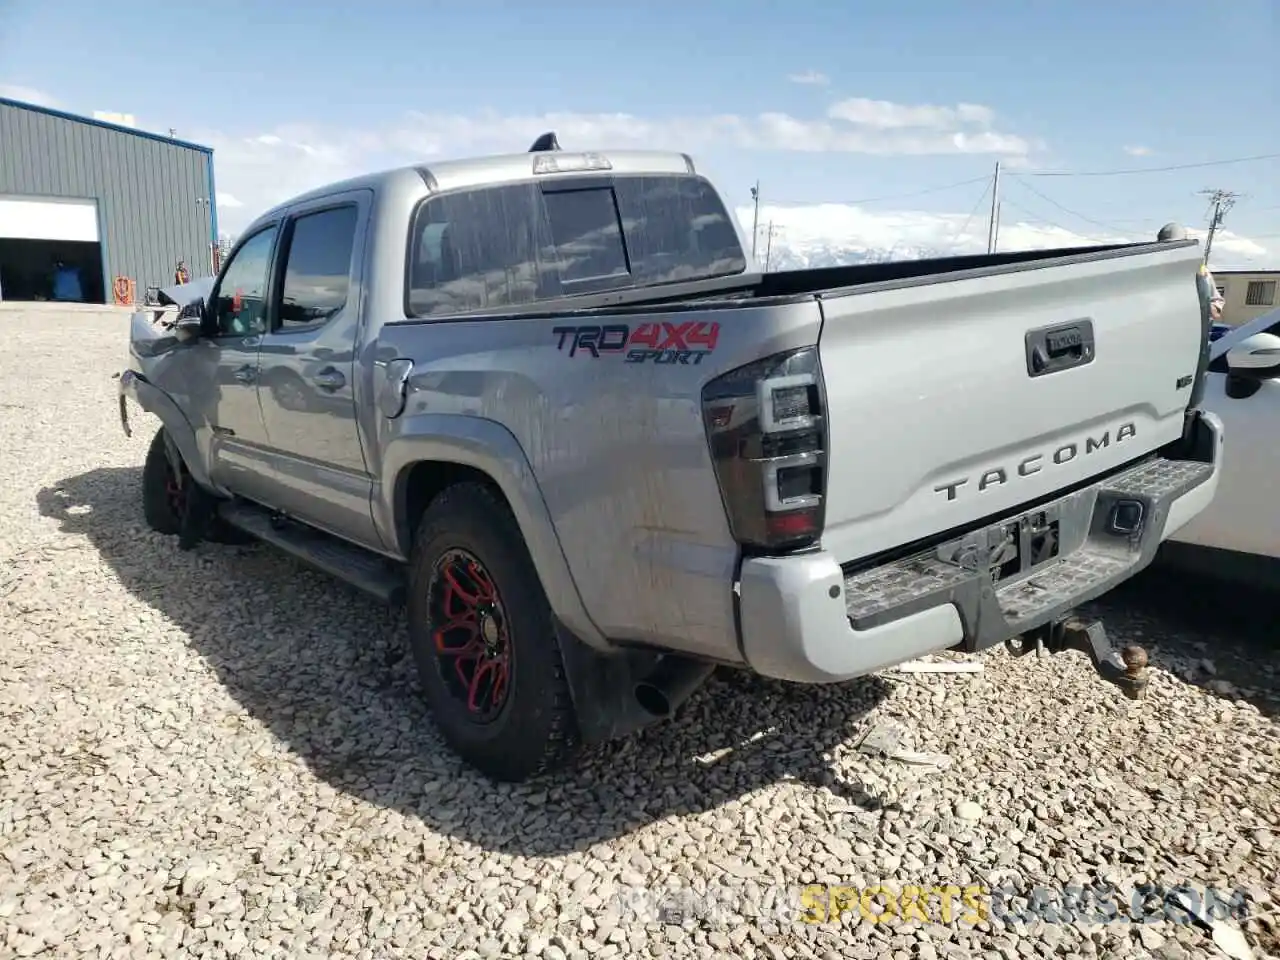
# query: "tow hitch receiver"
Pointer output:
{"type": "Point", "coordinates": [1126, 668]}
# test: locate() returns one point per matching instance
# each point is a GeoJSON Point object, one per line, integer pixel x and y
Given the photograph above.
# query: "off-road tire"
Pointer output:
{"type": "Point", "coordinates": [161, 511]}
{"type": "Point", "coordinates": [158, 508]}
{"type": "Point", "coordinates": [536, 729]}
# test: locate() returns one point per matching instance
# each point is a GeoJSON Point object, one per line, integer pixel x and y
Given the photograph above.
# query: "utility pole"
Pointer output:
{"type": "Point", "coordinates": [1221, 201]}
{"type": "Point", "coordinates": [994, 226]}
{"type": "Point", "coordinates": [755, 217]}
{"type": "Point", "coordinates": [768, 247]}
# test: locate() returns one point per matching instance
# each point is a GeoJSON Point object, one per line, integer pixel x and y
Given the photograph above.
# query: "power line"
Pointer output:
{"type": "Point", "coordinates": [1137, 170]}
{"type": "Point", "coordinates": [972, 213]}
{"type": "Point", "coordinates": [993, 227]}
{"type": "Point", "coordinates": [1037, 218]}
{"type": "Point", "coordinates": [895, 196]}
{"type": "Point", "coordinates": [1066, 210]}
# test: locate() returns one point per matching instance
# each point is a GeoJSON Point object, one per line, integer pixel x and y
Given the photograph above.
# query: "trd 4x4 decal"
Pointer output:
{"type": "Point", "coordinates": [663, 342]}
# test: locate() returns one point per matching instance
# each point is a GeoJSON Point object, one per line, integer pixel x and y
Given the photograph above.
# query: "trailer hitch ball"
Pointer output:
{"type": "Point", "coordinates": [1127, 669]}
{"type": "Point", "coordinates": [1135, 671]}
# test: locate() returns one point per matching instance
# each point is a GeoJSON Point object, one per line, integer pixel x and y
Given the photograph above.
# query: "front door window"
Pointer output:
{"type": "Point", "coordinates": [240, 307]}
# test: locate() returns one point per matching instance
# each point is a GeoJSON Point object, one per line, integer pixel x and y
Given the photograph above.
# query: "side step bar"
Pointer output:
{"type": "Point", "coordinates": [367, 572]}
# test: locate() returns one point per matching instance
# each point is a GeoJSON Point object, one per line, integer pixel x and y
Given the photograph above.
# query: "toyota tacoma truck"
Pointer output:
{"type": "Point", "coordinates": [547, 403]}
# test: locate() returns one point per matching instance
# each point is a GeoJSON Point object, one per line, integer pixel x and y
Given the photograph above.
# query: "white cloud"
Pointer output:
{"type": "Point", "coordinates": [260, 169]}
{"type": "Point", "coordinates": [823, 234]}
{"type": "Point", "coordinates": [263, 168]}
{"type": "Point", "coordinates": [1137, 151]}
{"type": "Point", "coordinates": [903, 233]}
{"type": "Point", "coordinates": [885, 115]}
{"type": "Point", "coordinates": [1233, 250]}
{"type": "Point", "coordinates": [810, 77]}
{"type": "Point", "coordinates": [13, 91]}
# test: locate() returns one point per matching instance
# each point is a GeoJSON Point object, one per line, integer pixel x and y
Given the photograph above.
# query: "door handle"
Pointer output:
{"type": "Point", "coordinates": [245, 374]}
{"type": "Point", "coordinates": [330, 379]}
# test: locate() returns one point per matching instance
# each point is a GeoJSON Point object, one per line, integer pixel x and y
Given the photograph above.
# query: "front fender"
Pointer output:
{"type": "Point", "coordinates": [491, 448]}
{"type": "Point", "coordinates": [155, 401]}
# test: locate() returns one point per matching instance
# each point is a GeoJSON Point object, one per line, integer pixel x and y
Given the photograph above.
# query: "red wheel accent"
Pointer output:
{"type": "Point", "coordinates": [470, 633]}
{"type": "Point", "coordinates": [176, 495]}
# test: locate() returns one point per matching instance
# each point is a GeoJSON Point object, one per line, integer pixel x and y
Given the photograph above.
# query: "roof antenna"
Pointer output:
{"type": "Point", "coordinates": [545, 142]}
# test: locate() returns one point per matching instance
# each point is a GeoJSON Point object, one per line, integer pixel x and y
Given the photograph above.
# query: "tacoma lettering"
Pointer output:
{"type": "Point", "coordinates": [1028, 466]}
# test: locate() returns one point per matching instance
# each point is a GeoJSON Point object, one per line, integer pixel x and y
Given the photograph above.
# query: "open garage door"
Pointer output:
{"type": "Point", "coordinates": [50, 250]}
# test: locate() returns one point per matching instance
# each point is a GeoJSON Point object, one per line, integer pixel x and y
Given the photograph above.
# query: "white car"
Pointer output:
{"type": "Point", "coordinates": [1243, 388]}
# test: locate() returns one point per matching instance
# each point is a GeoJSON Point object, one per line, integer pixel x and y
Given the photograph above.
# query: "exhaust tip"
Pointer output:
{"type": "Point", "coordinates": [653, 700]}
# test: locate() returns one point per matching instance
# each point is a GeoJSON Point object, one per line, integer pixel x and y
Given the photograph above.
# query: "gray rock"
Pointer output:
{"type": "Point", "coordinates": [217, 753]}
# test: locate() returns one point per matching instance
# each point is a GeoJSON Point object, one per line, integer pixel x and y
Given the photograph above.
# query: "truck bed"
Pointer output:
{"type": "Point", "coordinates": [783, 286]}
{"type": "Point", "coordinates": [833, 280]}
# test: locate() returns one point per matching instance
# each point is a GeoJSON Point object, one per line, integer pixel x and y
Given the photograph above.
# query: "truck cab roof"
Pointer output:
{"type": "Point", "coordinates": [496, 169]}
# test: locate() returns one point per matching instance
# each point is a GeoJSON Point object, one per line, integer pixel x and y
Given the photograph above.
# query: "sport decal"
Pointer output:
{"type": "Point", "coordinates": [685, 342]}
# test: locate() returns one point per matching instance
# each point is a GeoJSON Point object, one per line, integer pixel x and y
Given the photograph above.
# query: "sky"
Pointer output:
{"type": "Point", "coordinates": [872, 123]}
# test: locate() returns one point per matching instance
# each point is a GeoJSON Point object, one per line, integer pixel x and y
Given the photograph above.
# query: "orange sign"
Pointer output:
{"type": "Point", "coordinates": [124, 291]}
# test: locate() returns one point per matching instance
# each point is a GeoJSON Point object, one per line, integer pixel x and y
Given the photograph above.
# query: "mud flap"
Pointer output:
{"type": "Point", "coordinates": [602, 688]}
{"type": "Point", "coordinates": [199, 507]}
{"type": "Point", "coordinates": [198, 515]}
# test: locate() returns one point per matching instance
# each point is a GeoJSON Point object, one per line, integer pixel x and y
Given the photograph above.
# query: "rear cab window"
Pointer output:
{"type": "Point", "coordinates": [515, 244]}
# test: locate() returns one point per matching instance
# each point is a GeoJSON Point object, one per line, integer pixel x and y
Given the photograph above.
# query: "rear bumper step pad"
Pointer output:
{"type": "Point", "coordinates": [1094, 551]}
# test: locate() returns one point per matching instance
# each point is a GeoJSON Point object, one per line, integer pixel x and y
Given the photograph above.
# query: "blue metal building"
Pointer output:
{"type": "Point", "coordinates": [112, 207]}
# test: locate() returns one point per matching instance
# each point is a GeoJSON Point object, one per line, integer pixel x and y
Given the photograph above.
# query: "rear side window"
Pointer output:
{"type": "Point", "coordinates": [317, 271]}
{"type": "Point", "coordinates": [502, 247]}
{"type": "Point", "coordinates": [677, 229]}
{"type": "Point", "coordinates": [586, 234]}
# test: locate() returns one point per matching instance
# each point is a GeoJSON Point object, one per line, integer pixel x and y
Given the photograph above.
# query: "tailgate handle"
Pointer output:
{"type": "Point", "coordinates": [1060, 347]}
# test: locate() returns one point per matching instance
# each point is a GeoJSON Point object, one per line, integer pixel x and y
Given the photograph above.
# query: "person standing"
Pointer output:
{"type": "Point", "coordinates": [180, 274]}
{"type": "Point", "coordinates": [1171, 233]}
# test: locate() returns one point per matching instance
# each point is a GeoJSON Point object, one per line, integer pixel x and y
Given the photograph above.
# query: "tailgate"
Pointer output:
{"type": "Point", "coordinates": [964, 397]}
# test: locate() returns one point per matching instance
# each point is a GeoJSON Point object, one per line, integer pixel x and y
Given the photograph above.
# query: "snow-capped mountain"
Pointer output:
{"type": "Point", "coordinates": [781, 255]}
{"type": "Point", "coordinates": [829, 235]}
{"type": "Point", "coordinates": [833, 234]}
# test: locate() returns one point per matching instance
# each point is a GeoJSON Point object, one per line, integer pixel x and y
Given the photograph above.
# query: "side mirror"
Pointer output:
{"type": "Point", "coordinates": [1250, 363]}
{"type": "Point", "coordinates": [1255, 358]}
{"type": "Point", "coordinates": [190, 322]}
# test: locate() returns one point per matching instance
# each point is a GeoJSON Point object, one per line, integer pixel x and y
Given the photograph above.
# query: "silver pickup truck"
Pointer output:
{"type": "Point", "coordinates": [546, 402]}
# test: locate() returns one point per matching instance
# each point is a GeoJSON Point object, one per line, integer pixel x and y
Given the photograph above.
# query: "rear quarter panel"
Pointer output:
{"type": "Point", "coordinates": [618, 449]}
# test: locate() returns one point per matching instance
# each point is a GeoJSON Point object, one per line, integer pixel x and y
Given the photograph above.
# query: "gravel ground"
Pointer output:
{"type": "Point", "coordinates": [220, 753]}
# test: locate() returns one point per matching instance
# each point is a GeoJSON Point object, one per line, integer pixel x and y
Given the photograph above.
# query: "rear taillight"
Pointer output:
{"type": "Point", "coordinates": [767, 435]}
